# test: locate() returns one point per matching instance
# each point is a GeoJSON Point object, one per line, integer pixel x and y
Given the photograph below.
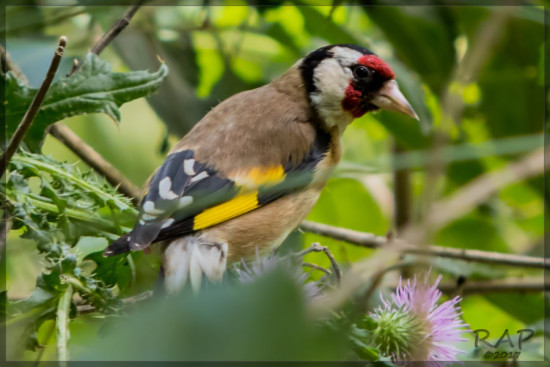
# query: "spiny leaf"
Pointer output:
{"type": "Point", "coordinates": [93, 89]}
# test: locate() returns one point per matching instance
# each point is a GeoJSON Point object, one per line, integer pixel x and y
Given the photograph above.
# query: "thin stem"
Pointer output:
{"type": "Point", "coordinates": [317, 247]}
{"type": "Point", "coordinates": [33, 109]}
{"type": "Point", "coordinates": [111, 34]}
{"type": "Point", "coordinates": [370, 240]}
{"type": "Point", "coordinates": [317, 267]}
{"type": "Point", "coordinates": [510, 285]}
{"type": "Point", "coordinates": [62, 325]}
{"type": "Point", "coordinates": [7, 64]}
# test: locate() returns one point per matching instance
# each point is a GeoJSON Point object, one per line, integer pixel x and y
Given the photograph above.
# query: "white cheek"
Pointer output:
{"type": "Point", "coordinates": [331, 81]}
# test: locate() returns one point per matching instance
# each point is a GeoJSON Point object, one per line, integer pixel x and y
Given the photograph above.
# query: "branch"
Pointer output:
{"type": "Point", "coordinates": [7, 64]}
{"type": "Point", "coordinates": [317, 247]}
{"type": "Point", "coordinates": [531, 284]}
{"type": "Point", "coordinates": [111, 34]}
{"type": "Point", "coordinates": [317, 267]}
{"type": "Point", "coordinates": [33, 108]}
{"type": "Point", "coordinates": [372, 241]}
{"type": "Point", "coordinates": [95, 161]}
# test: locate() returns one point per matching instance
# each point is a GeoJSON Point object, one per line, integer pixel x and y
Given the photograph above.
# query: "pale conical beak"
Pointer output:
{"type": "Point", "coordinates": [390, 98]}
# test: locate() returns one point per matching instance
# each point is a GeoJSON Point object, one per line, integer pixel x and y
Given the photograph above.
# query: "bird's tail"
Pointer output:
{"type": "Point", "coordinates": [119, 246]}
{"type": "Point", "coordinates": [188, 258]}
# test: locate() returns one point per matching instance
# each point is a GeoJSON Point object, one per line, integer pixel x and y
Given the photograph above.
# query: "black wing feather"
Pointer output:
{"type": "Point", "coordinates": [205, 193]}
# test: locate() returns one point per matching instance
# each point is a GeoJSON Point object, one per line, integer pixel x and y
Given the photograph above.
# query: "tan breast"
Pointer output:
{"type": "Point", "coordinates": [264, 228]}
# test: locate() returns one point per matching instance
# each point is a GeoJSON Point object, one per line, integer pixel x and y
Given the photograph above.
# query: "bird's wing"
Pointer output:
{"type": "Point", "coordinates": [187, 195]}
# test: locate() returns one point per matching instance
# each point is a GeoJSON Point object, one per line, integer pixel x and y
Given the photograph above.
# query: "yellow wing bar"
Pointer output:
{"type": "Point", "coordinates": [228, 210]}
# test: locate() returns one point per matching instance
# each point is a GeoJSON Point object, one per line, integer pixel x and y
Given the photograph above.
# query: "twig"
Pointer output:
{"type": "Point", "coordinates": [95, 161]}
{"type": "Point", "coordinates": [62, 325]}
{"type": "Point", "coordinates": [316, 247]}
{"type": "Point", "coordinates": [317, 267]}
{"type": "Point", "coordinates": [33, 108]}
{"type": "Point", "coordinates": [111, 34]}
{"type": "Point", "coordinates": [531, 284]}
{"type": "Point", "coordinates": [372, 241]}
{"type": "Point", "coordinates": [7, 64]}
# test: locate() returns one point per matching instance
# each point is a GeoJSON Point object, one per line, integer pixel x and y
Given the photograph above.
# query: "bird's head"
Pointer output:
{"type": "Point", "coordinates": [346, 81]}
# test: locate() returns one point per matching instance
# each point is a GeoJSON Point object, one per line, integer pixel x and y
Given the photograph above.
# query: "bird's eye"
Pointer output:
{"type": "Point", "coordinates": [361, 72]}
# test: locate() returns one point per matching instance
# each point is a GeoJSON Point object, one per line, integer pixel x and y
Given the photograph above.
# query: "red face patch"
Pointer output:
{"type": "Point", "coordinates": [376, 63]}
{"type": "Point", "coordinates": [352, 101]}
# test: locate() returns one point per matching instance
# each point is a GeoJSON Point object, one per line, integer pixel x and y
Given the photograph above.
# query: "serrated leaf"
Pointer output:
{"type": "Point", "coordinates": [111, 270]}
{"type": "Point", "coordinates": [93, 89]}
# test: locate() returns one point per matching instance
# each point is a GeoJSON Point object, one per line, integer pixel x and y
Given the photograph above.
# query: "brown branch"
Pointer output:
{"type": "Point", "coordinates": [317, 247]}
{"type": "Point", "coordinates": [316, 267]}
{"type": "Point", "coordinates": [95, 161]}
{"type": "Point", "coordinates": [33, 108]}
{"type": "Point", "coordinates": [372, 241]}
{"type": "Point", "coordinates": [531, 284]}
{"type": "Point", "coordinates": [7, 64]}
{"type": "Point", "coordinates": [111, 34]}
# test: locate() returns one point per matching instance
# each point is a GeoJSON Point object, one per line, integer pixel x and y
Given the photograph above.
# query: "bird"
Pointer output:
{"type": "Point", "coordinates": [249, 172]}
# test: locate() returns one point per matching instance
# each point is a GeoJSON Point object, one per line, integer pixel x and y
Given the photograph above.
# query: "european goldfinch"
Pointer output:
{"type": "Point", "coordinates": [250, 171]}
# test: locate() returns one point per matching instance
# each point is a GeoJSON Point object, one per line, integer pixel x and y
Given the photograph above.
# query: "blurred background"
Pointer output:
{"type": "Point", "coordinates": [474, 74]}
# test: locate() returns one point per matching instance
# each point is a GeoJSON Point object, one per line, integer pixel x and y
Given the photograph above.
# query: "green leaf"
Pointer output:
{"type": "Point", "coordinates": [93, 89]}
{"type": "Point", "coordinates": [113, 270]}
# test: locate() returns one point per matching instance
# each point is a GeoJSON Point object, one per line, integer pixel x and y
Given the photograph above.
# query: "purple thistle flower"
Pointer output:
{"type": "Point", "coordinates": [412, 327]}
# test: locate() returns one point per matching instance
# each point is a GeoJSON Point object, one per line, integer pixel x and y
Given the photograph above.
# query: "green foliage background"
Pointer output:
{"type": "Point", "coordinates": [214, 52]}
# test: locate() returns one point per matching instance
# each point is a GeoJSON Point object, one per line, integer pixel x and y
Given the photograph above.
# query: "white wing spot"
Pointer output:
{"type": "Point", "coordinates": [188, 167]}
{"type": "Point", "coordinates": [164, 189]}
{"type": "Point", "coordinates": [149, 207]}
{"type": "Point", "coordinates": [147, 217]}
{"type": "Point", "coordinates": [167, 223]}
{"type": "Point", "coordinates": [184, 201]}
{"type": "Point", "coordinates": [200, 176]}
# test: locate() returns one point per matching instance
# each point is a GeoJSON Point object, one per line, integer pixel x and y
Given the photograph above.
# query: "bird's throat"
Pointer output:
{"type": "Point", "coordinates": [353, 102]}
